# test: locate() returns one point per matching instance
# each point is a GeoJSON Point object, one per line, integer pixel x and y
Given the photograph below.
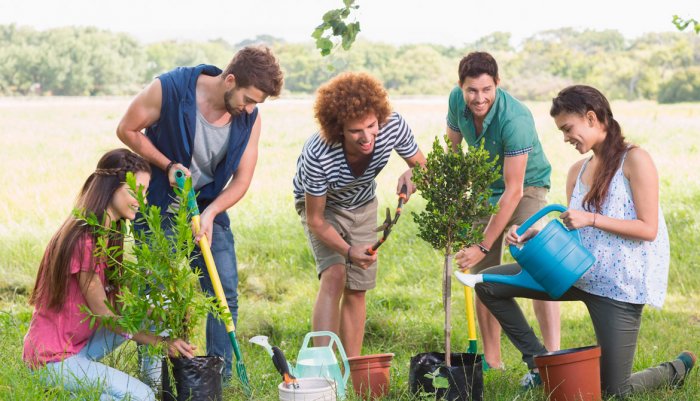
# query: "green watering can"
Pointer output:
{"type": "Point", "coordinates": [321, 361]}
{"type": "Point", "coordinates": [552, 261]}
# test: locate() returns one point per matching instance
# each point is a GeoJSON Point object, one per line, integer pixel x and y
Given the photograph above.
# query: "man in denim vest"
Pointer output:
{"type": "Point", "coordinates": [204, 122]}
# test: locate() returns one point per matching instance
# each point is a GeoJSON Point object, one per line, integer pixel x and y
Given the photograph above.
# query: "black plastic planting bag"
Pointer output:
{"type": "Point", "coordinates": [465, 377]}
{"type": "Point", "coordinates": [198, 378]}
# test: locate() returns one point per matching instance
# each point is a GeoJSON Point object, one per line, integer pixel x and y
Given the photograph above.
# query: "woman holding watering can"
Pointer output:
{"type": "Point", "coordinates": [614, 203]}
{"type": "Point", "coordinates": [334, 192]}
{"type": "Point", "coordinates": [61, 344]}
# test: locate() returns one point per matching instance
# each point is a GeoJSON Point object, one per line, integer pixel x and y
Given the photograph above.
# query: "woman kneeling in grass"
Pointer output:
{"type": "Point", "coordinates": [614, 203]}
{"type": "Point", "coordinates": [60, 340]}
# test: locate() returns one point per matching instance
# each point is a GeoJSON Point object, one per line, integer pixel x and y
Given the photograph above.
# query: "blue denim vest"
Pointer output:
{"type": "Point", "coordinates": [173, 135]}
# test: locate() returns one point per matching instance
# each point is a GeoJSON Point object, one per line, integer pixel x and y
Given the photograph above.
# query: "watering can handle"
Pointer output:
{"type": "Point", "coordinates": [537, 216]}
{"type": "Point", "coordinates": [341, 350]}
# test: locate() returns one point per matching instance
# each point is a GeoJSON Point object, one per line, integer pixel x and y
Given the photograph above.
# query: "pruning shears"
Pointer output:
{"type": "Point", "coordinates": [389, 222]}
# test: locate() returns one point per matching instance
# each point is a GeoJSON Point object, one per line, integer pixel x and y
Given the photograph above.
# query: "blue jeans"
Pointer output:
{"type": "Point", "coordinates": [224, 252]}
{"type": "Point", "coordinates": [83, 370]}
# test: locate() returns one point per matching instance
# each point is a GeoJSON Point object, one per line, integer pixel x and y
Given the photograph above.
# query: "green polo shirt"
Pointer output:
{"type": "Point", "coordinates": [509, 130]}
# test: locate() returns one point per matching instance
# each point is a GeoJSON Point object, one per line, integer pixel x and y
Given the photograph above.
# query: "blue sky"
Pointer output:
{"type": "Point", "coordinates": [447, 22]}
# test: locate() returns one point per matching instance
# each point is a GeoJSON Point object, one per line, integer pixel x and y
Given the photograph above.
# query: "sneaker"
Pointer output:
{"type": "Point", "coordinates": [688, 359]}
{"type": "Point", "coordinates": [531, 380]}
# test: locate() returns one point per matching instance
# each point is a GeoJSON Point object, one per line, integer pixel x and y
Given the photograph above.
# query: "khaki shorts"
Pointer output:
{"type": "Point", "coordinates": [534, 199]}
{"type": "Point", "coordinates": [356, 227]}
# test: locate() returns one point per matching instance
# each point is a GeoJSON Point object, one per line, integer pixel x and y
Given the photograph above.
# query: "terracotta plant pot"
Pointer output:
{"type": "Point", "coordinates": [571, 374]}
{"type": "Point", "coordinates": [370, 375]}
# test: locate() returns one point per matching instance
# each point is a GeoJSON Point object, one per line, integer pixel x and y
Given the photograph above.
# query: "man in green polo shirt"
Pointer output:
{"type": "Point", "coordinates": [482, 113]}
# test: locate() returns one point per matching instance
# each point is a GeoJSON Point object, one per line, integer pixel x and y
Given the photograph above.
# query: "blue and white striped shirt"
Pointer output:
{"type": "Point", "coordinates": [322, 168]}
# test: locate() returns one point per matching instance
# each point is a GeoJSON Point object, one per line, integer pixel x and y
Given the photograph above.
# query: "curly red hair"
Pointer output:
{"type": "Point", "coordinates": [347, 97]}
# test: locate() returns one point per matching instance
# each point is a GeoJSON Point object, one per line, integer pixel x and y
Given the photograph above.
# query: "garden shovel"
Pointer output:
{"type": "Point", "coordinates": [216, 282]}
{"type": "Point", "coordinates": [471, 325]}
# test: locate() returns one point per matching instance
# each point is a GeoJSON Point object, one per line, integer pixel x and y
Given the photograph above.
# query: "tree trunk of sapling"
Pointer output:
{"type": "Point", "coordinates": [447, 303]}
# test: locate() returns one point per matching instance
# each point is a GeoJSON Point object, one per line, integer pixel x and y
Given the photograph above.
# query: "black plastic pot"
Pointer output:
{"type": "Point", "coordinates": [465, 377]}
{"type": "Point", "coordinates": [198, 378]}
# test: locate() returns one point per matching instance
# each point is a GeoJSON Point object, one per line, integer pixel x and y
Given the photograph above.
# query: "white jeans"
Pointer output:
{"type": "Point", "coordinates": [83, 370]}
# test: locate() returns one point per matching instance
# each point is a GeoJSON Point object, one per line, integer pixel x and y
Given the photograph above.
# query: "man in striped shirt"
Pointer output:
{"type": "Point", "coordinates": [334, 191]}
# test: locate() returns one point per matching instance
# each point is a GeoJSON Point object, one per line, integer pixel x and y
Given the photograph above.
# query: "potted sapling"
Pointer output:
{"type": "Point", "coordinates": [456, 187]}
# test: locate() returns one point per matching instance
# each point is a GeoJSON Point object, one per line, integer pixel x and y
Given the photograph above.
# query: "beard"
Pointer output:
{"type": "Point", "coordinates": [227, 103]}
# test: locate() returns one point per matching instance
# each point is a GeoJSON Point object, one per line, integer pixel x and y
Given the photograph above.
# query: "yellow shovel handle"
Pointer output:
{"type": "Point", "coordinates": [469, 305]}
{"type": "Point", "coordinates": [213, 273]}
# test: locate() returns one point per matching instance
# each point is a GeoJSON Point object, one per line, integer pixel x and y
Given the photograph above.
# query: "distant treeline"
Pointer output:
{"type": "Point", "coordinates": [89, 61]}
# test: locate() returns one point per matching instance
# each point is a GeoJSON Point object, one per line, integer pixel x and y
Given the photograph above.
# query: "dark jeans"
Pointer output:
{"type": "Point", "coordinates": [616, 326]}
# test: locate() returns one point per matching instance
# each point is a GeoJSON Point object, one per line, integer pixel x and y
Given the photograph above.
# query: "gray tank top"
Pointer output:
{"type": "Point", "coordinates": [210, 144]}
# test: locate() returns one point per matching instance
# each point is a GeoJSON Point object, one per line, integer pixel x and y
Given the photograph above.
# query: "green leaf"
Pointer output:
{"type": "Point", "coordinates": [332, 15]}
{"type": "Point", "coordinates": [318, 31]}
{"type": "Point", "coordinates": [340, 30]}
{"type": "Point", "coordinates": [440, 382]}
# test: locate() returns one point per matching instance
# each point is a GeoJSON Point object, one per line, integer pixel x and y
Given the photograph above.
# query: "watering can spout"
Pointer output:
{"type": "Point", "coordinates": [522, 279]}
{"type": "Point", "coordinates": [470, 280]}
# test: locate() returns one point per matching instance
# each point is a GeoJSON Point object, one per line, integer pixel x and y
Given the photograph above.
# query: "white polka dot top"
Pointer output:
{"type": "Point", "coordinates": [625, 270]}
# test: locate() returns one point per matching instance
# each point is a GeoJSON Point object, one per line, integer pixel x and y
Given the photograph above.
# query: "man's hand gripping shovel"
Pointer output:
{"type": "Point", "coordinates": [389, 222]}
{"type": "Point", "coordinates": [180, 179]}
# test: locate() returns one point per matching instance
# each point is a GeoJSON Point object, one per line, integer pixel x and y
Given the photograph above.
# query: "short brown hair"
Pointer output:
{"type": "Point", "coordinates": [256, 66]}
{"type": "Point", "coordinates": [475, 64]}
{"type": "Point", "coordinates": [347, 97]}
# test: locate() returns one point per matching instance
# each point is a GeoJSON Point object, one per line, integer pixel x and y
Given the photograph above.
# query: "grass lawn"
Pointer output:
{"type": "Point", "coordinates": [51, 145]}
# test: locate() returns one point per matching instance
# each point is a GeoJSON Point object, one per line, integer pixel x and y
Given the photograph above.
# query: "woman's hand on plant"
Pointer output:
{"type": "Point", "coordinates": [206, 226]}
{"type": "Point", "coordinates": [178, 348]}
{"type": "Point", "coordinates": [359, 256]}
{"type": "Point", "coordinates": [575, 219]}
{"type": "Point", "coordinates": [512, 238]}
{"type": "Point", "coordinates": [469, 257]}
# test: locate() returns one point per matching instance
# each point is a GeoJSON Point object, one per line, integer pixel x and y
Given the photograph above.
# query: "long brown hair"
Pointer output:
{"type": "Point", "coordinates": [580, 99]}
{"type": "Point", "coordinates": [94, 198]}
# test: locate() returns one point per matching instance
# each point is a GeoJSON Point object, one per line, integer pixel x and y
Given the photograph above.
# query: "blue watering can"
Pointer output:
{"type": "Point", "coordinates": [552, 261]}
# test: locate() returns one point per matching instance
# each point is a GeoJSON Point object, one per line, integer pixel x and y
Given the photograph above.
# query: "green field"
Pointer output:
{"type": "Point", "coordinates": [51, 145]}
